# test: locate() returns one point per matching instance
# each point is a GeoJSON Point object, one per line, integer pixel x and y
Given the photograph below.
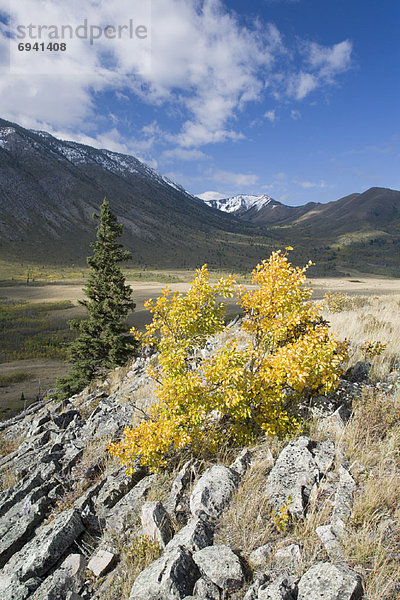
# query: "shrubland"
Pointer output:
{"type": "Point", "coordinates": [250, 385]}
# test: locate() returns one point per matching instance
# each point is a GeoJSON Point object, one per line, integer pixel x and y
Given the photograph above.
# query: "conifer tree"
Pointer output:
{"type": "Point", "coordinates": [102, 342]}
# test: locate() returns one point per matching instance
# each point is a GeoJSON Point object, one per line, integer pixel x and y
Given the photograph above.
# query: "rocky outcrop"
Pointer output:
{"type": "Point", "coordinates": [298, 470]}
{"type": "Point", "coordinates": [65, 523]}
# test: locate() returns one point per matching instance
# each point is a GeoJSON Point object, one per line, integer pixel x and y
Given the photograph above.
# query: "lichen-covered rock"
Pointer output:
{"type": "Point", "coordinates": [172, 576]}
{"type": "Point", "coordinates": [242, 463]}
{"type": "Point", "coordinates": [220, 565]}
{"type": "Point", "coordinates": [261, 555]}
{"type": "Point", "coordinates": [326, 581]}
{"type": "Point", "coordinates": [12, 589]}
{"type": "Point", "coordinates": [297, 470]}
{"type": "Point", "coordinates": [67, 579]}
{"type": "Point", "coordinates": [281, 588]}
{"type": "Point", "coordinates": [177, 502]}
{"type": "Point", "coordinates": [288, 557]}
{"type": "Point", "coordinates": [197, 534]}
{"type": "Point", "coordinates": [156, 522]}
{"type": "Point", "coordinates": [205, 589]}
{"type": "Point", "coordinates": [116, 486]}
{"type": "Point", "coordinates": [213, 492]}
{"type": "Point", "coordinates": [124, 512]}
{"type": "Point", "coordinates": [45, 549]}
{"type": "Point", "coordinates": [343, 502]}
{"type": "Point", "coordinates": [18, 525]}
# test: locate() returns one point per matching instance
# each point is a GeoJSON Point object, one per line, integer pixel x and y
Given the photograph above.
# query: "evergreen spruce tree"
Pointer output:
{"type": "Point", "coordinates": [102, 342]}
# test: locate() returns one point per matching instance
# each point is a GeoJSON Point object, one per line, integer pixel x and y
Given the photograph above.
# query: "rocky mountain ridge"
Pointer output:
{"type": "Point", "coordinates": [68, 518]}
{"type": "Point", "coordinates": [240, 204]}
{"type": "Point", "coordinates": [49, 189]}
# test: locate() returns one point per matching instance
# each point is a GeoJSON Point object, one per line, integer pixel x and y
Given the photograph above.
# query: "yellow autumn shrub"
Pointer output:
{"type": "Point", "coordinates": [239, 390]}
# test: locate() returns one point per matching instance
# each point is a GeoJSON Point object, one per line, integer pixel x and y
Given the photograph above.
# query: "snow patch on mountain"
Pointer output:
{"type": "Point", "coordinates": [241, 203]}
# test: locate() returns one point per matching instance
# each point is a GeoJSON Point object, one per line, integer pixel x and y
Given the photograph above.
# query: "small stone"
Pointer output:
{"type": "Point", "coordinates": [289, 556]}
{"type": "Point", "coordinates": [220, 565]}
{"type": "Point", "coordinates": [326, 581]}
{"type": "Point", "coordinates": [156, 522]}
{"type": "Point", "coordinates": [261, 555]}
{"type": "Point", "coordinates": [101, 562]}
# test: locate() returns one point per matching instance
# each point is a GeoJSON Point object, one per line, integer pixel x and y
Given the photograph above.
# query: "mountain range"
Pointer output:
{"type": "Point", "coordinates": [49, 189]}
{"type": "Point", "coordinates": [260, 209]}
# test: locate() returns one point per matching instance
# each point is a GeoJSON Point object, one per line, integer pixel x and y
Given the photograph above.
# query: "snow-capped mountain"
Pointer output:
{"type": "Point", "coordinates": [50, 188]}
{"type": "Point", "coordinates": [240, 204]}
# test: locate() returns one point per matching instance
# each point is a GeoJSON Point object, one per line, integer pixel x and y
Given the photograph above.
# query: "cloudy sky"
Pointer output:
{"type": "Point", "coordinates": [298, 99]}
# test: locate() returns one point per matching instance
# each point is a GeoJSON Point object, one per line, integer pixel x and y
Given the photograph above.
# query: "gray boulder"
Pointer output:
{"type": "Point", "coordinates": [177, 502]}
{"type": "Point", "coordinates": [282, 588]}
{"type": "Point", "coordinates": [205, 589]}
{"type": "Point", "coordinates": [242, 463]}
{"type": "Point", "coordinates": [197, 534]}
{"type": "Point", "coordinates": [123, 514]}
{"type": "Point", "coordinates": [288, 557]}
{"type": "Point", "coordinates": [18, 525]}
{"type": "Point", "coordinates": [213, 492]}
{"type": "Point", "coordinates": [101, 562]}
{"type": "Point", "coordinates": [172, 576]}
{"type": "Point", "coordinates": [46, 548]}
{"type": "Point", "coordinates": [156, 522]}
{"type": "Point", "coordinates": [297, 470]}
{"type": "Point", "coordinates": [68, 578]}
{"type": "Point", "coordinates": [261, 555]}
{"type": "Point", "coordinates": [221, 566]}
{"type": "Point", "coordinates": [326, 581]}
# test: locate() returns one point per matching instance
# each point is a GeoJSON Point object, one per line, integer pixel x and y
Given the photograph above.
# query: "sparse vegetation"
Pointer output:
{"type": "Point", "coordinates": [16, 377]}
{"type": "Point", "coordinates": [373, 446]}
{"type": "Point", "coordinates": [35, 333]}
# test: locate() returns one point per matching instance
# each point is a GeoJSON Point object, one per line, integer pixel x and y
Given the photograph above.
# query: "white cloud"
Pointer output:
{"type": "Point", "coordinates": [239, 180]}
{"type": "Point", "coordinates": [295, 115]}
{"type": "Point", "coordinates": [205, 67]}
{"type": "Point", "coordinates": [322, 65]}
{"type": "Point", "coordinates": [302, 84]}
{"type": "Point", "coordinates": [183, 154]}
{"type": "Point", "coordinates": [270, 115]}
{"type": "Point", "coordinates": [211, 196]}
{"type": "Point", "coordinates": [329, 60]}
{"type": "Point", "coordinates": [311, 184]}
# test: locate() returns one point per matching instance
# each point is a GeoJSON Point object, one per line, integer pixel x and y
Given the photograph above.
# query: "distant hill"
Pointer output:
{"type": "Point", "coordinates": [50, 188]}
{"type": "Point", "coordinates": [360, 231]}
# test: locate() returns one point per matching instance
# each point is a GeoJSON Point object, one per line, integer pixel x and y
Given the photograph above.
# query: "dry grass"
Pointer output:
{"type": "Point", "coordinates": [136, 553]}
{"type": "Point", "coordinates": [8, 478]}
{"type": "Point", "coordinates": [373, 445]}
{"type": "Point", "coordinates": [368, 319]}
{"type": "Point", "coordinates": [248, 523]}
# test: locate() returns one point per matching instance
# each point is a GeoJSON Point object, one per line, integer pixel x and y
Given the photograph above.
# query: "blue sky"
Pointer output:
{"type": "Point", "coordinates": [298, 99]}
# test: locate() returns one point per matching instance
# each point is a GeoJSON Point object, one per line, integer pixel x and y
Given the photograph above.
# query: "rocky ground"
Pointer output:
{"type": "Point", "coordinates": [74, 526]}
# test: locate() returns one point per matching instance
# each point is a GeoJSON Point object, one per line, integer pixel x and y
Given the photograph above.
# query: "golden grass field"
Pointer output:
{"type": "Point", "coordinates": [383, 296]}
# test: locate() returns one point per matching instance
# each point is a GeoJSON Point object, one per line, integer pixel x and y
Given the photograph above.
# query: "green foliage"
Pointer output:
{"type": "Point", "coordinates": [29, 330]}
{"type": "Point", "coordinates": [284, 352]}
{"type": "Point", "coordinates": [102, 342]}
{"type": "Point", "coordinates": [15, 377]}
